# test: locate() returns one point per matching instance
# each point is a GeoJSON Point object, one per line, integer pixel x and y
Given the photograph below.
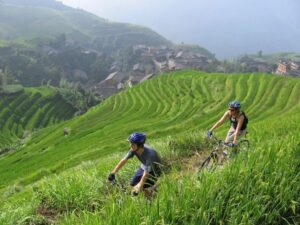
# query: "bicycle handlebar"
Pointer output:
{"type": "Point", "coordinates": [219, 141]}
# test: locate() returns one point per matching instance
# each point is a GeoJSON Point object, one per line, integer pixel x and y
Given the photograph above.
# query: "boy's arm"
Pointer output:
{"type": "Point", "coordinates": [119, 165]}
{"type": "Point", "coordinates": [140, 185]}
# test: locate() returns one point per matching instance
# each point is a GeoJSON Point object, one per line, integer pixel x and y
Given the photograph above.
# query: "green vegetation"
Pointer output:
{"type": "Point", "coordinates": [24, 110]}
{"type": "Point", "coordinates": [40, 20]}
{"type": "Point", "coordinates": [77, 96]}
{"type": "Point", "coordinates": [260, 186]}
{"type": "Point", "coordinates": [51, 62]}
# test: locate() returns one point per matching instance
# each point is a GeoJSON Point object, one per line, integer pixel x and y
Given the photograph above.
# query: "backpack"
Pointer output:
{"type": "Point", "coordinates": [246, 119]}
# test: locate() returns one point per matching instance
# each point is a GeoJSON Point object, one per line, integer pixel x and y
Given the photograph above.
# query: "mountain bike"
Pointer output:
{"type": "Point", "coordinates": [219, 153]}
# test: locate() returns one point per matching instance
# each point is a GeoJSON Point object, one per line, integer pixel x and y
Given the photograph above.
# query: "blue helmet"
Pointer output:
{"type": "Point", "coordinates": [138, 138]}
{"type": "Point", "coordinates": [234, 104]}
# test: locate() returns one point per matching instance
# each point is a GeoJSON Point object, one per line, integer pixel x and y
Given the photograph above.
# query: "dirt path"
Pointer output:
{"type": "Point", "coordinates": [193, 163]}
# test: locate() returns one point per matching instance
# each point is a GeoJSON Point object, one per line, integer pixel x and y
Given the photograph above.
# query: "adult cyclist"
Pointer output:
{"type": "Point", "coordinates": [238, 122]}
{"type": "Point", "coordinates": [150, 168]}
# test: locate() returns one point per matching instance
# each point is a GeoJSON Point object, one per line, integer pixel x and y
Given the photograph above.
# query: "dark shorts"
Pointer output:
{"type": "Point", "coordinates": [152, 178]}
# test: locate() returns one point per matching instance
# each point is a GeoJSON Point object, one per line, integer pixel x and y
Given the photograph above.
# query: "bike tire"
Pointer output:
{"type": "Point", "coordinates": [210, 162]}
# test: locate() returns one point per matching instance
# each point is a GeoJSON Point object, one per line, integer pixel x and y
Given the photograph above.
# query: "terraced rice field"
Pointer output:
{"type": "Point", "coordinates": [170, 104]}
{"type": "Point", "coordinates": [30, 110]}
{"type": "Point", "coordinates": [175, 111]}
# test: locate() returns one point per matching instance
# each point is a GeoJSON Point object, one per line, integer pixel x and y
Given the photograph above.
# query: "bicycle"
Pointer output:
{"type": "Point", "coordinates": [219, 153]}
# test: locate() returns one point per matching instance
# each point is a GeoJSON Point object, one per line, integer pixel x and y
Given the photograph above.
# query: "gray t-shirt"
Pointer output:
{"type": "Point", "coordinates": [149, 158]}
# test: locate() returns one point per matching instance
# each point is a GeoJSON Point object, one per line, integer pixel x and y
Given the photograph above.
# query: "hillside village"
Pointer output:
{"type": "Point", "coordinates": [150, 62]}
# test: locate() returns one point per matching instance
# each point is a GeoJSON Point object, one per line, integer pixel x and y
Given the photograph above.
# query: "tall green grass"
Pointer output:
{"type": "Point", "coordinates": [258, 186]}
{"type": "Point", "coordinates": [261, 187]}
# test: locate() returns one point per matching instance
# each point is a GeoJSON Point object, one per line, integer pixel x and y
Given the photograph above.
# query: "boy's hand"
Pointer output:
{"type": "Point", "coordinates": [111, 177]}
{"type": "Point", "coordinates": [136, 189]}
{"type": "Point", "coordinates": [209, 133]}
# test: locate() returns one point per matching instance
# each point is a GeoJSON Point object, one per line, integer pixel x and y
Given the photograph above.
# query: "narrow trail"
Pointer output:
{"type": "Point", "coordinates": [190, 163]}
{"type": "Point", "coordinates": [193, 162]}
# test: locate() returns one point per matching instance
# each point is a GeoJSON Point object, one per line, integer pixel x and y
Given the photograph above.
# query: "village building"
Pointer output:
{"type": "Point", "coordinates": [133, 80]}
{"type": "Point", "coordinates": [105, 90]}
{"type": "Point", "coordinates": [171, 65]}
{"type": "Point", "coordinates": [110, 85]}
{"type": "Point", "coordinates": [294, 66]}
{"type": "Point", "coordinates": [160, 66]}
{"type": "Point", "coordinates": [116, 66]}
{"type": "Point", "coordinates": [190, 60]}
{"type": "Point", "coordinates": [114, 78]}
{"type": "Point", "coordinates": [138, 67]}
{"type": "Point", "coordinates": [149, 68]}
{"type": "Point", "coordinates": [282, 67]}
{"type": "Point", "coordinates": [147, 77]}
{"type": "Point", "coordinates": [288, 68]}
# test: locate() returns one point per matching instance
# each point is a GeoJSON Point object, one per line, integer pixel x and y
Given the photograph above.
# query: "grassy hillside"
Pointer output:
{"type": "Point", "coordinates": [25, 111]}
{"type": "Point", "coordinates": [175, 110]}
{"type": "Point", "coordinates": [190, 100]}
{"type": "Point", "coordinates": [38, 20]}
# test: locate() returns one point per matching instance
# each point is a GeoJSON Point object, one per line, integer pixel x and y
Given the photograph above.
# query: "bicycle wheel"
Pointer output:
{"type": "Point", "coordinates": [210, 162]}
{"type": "Point", "coordinates": [244, 145]}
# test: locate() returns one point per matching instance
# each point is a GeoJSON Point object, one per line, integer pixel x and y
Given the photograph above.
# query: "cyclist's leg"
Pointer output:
{"type": "Point", "coordinates": [149, 187]}
{"type": "Point", "coordinates": [231, 138]}
{"type": "Point", "coordinates": [230, 135]}
{"type": "Point", "coordinates": [137, 177]}
{"type": "Point", "coordinates": [241, 133]}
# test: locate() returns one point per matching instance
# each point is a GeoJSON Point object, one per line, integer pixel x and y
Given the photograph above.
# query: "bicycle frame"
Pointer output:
{"type": "Point", "coordinates": [218, 154]}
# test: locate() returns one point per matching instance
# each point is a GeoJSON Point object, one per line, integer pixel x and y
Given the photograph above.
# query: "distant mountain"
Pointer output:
{"type": "Point", "coordinates": [45, 19]}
